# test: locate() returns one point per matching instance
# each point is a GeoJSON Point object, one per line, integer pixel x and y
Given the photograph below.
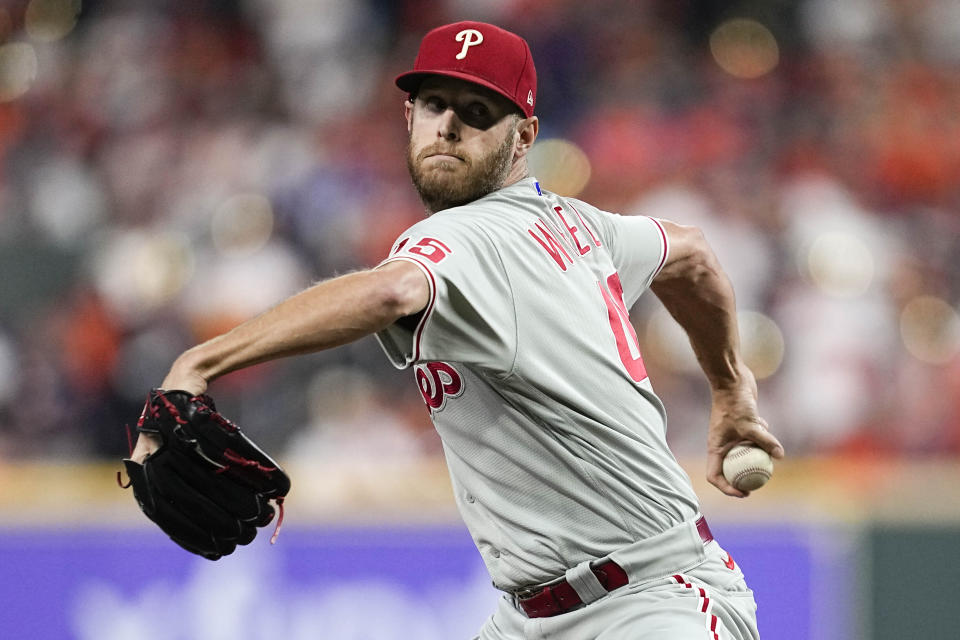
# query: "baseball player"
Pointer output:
{"type": "Point", "coordinates": [510, 304]}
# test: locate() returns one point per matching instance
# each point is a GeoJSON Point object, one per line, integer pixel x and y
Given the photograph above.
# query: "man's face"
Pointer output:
{"type": "Point", "coordinates": [462, 140]}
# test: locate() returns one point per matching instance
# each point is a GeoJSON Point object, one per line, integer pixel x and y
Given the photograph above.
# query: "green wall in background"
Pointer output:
{"type": "Point", "coordinates": [914, 583]}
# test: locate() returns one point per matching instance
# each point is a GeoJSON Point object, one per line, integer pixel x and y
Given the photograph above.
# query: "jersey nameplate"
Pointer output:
{"type": "Point", "coordinates": [548, 235]}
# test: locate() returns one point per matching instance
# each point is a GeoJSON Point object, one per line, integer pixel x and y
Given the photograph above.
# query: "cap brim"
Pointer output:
{"type": "Point", "coordinates": [410, 82]}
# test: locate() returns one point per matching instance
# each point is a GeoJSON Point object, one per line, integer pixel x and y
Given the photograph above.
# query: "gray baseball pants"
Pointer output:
{"type": "Point", "coordinates": [679, 589]}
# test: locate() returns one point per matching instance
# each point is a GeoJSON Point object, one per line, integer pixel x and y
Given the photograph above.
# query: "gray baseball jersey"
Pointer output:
{"type": "Point", "coordinates": [530, 367]}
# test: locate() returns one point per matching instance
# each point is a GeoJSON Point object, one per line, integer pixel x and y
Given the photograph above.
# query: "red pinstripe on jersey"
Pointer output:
{"type": "Point", "coordinates": [666, 246]}
{"type": "Point", "coordinates": [426, 312]}
{"type": "Point", "coordinates": [704, 605]}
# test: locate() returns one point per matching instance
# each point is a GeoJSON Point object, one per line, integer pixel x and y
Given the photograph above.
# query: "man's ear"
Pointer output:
{"type": "Point", "coordinates": [408, 113]}
{"type": "Point", "coordinates": [527, 130]}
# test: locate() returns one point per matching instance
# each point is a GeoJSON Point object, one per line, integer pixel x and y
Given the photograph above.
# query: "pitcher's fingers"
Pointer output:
{"type": "Point", "coordinates": [715, 477]}
{"type": "Point", "coordinates": [769, 443]}
{"type": "Point", "coordinates": [146, 444]}
{"type": "Point", "coordinates": [759, 434]}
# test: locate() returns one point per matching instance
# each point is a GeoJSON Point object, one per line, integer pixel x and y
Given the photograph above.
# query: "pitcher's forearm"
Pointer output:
{"type": "Point", "coordinates": [326, 315]}
{"type": "Point", "coordinates": [699, 296]}
{"type": "Point", "coordinates": [707, 312]}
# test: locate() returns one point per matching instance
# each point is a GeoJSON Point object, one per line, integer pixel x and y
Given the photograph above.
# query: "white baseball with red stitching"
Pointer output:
{"type": "Point", "coordinates": [747, 467]}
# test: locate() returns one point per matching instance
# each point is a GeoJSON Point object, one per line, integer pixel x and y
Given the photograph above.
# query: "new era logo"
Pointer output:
{"type": "Point", "coordinates": [530, 97]}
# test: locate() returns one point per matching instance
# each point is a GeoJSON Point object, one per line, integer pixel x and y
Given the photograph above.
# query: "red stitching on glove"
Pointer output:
{"type": "Point", "coordinates": [143, 414]}
{"type": "Point", "coordinates": [129, 441]}
{"type": "Point", "coordinates": [172, 408]}
{"type": "Point", "coordinates": [212, 413]}
{"type": "Point", "coordinates": [236, 458]}
{"type": "Point", "coordinates": [216, 416]}
{"type": "Point", "coordinates": [223, 422]}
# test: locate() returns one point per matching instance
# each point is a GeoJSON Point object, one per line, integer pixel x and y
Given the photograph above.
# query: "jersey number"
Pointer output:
{"type": "Point", "coordinates": [431, 249]}
{"type": "Point", "coordinates": [627, 345]}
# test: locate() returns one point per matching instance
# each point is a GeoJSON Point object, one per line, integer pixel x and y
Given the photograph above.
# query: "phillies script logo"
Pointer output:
{"type": "Point", "coordinates": [436, 381]}
{"type": "Point", "coordinates": [469, 38]}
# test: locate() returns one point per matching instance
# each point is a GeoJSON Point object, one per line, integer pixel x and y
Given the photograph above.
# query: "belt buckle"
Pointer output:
{"type": "Point", "coordinates": [525, 592]}
{"type": "Point", "coordinates": [528, 592]}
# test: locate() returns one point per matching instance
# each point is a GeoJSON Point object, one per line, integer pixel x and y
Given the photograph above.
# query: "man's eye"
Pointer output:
{"type": "Point", "coordinates": [435, 104]}
{"type": "Point", "coordinates": [478, 110]}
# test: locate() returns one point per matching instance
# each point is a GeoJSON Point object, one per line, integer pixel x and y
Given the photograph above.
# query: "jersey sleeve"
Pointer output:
{"type": "Point", "coordinates": [637, 245]}
{"type": "Point", "coordinates": [470, 316]}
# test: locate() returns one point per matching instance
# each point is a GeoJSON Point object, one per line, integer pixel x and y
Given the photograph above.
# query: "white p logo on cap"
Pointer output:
{"type": "Point", "coordinates": [469, 38]}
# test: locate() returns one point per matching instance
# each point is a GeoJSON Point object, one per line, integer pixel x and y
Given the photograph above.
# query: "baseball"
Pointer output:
{"type": "Point", "coordinates": [747, 467]}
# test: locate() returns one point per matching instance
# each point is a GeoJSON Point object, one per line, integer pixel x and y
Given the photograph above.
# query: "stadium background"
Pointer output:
{"type": "Point", "coordinates": [169, 168]}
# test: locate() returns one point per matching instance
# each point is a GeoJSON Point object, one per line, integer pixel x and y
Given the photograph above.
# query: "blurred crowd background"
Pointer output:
{"type": "Point", "coordinates": [170, 168]}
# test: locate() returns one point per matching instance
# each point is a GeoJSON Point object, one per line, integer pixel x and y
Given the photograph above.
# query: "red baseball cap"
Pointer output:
{"type": "Point", "coordinates": [480, 53]}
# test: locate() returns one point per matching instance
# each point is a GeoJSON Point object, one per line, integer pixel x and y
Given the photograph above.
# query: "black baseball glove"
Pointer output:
{"type": "Point", "coordinates": [208, 486]}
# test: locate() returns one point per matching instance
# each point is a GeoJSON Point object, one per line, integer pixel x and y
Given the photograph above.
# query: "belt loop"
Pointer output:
{"type": "Point", "coordinates": [585, 583]}
{"type": "Point", "coordinates": [704, 530]}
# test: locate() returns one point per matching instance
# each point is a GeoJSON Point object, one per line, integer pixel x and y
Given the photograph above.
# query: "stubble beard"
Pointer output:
{"type": "Point", "coordinates": [441, 187]}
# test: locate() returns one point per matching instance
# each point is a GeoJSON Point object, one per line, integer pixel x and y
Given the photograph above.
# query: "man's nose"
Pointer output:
{"type": "Point", "coordinates": [448, 127]}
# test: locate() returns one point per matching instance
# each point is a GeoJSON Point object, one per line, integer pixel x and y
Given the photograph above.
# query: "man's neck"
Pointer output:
{"type": "Point", "coordinates": [517, 173]}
